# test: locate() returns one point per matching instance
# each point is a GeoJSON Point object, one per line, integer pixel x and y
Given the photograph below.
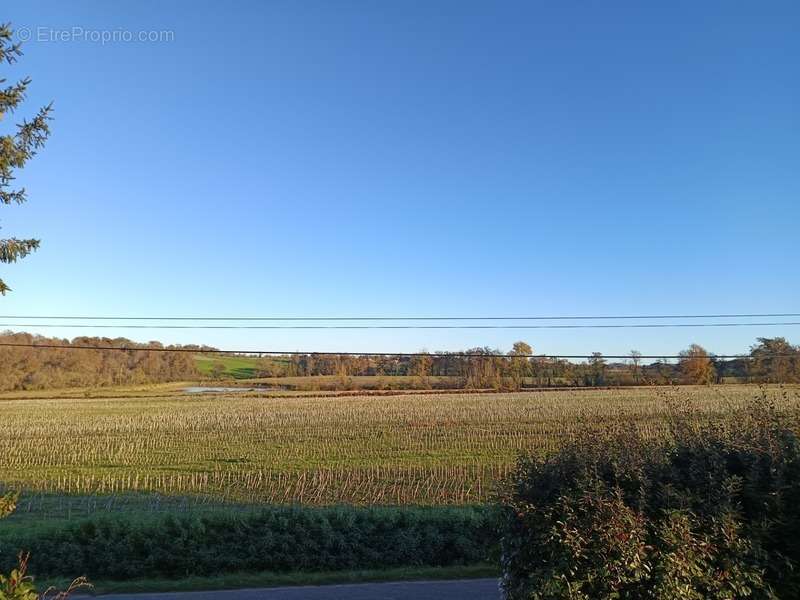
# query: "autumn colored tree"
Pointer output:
{"type": "Point", "coordinates": [24, 368]}
{"type": "Point", "coordinates": [17, 147]}
{"type": "Point", "coordinates": [697, 366]}
{"type": "Point", "coordinates": [775, 360]}
{"type": "Point", "coordinates": [482, 369]}
{"type": "Point", "coordinates": [520, 366]}
{"type": "Point", "coordinates": [421, 369]}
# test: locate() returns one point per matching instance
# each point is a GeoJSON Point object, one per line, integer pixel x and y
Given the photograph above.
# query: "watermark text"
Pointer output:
{"type": "Point", "coordinates": [94, 36]}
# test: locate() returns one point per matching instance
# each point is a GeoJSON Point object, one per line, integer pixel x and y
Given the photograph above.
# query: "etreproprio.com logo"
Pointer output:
{"type": "Point", "coordinates": [93, 36]}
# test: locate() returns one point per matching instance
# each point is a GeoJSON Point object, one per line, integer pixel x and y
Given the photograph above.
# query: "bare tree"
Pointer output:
{"type": "Point", "coordinates": [636, 366]}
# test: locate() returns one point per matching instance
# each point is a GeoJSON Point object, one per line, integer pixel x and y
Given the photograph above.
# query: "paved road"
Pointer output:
{"type": "Point", "coordinates": [465, 589]}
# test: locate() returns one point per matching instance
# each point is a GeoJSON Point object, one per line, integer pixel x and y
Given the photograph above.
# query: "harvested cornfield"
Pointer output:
{"type": "Point", "coordinates": [433, 449]}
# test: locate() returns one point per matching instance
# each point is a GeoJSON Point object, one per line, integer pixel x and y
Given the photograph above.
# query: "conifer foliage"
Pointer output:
{"type": "Point", "coordinates": [18, 146]}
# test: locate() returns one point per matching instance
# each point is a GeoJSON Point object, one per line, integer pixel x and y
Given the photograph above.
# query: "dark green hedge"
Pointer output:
{"type": "Point", "coordinates": [272, 539]}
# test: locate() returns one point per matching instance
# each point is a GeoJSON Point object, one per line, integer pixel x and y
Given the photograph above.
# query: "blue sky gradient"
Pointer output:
{"type": "Point", "coordinates": [409, 158]}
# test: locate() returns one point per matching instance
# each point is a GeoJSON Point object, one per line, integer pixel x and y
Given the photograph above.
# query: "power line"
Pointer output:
{"type": "Point", "coordinates": [395, 327]}
{"type": "Point", "coordinates": [379, 354]}
{"type": "Point", "coordinates": [428, 318]}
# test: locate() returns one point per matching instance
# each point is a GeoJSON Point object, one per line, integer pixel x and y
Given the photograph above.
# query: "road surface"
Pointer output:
{"type": "Point", "coordinates": [463, 589]}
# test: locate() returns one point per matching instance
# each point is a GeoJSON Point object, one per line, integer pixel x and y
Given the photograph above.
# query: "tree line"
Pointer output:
{"type": "Point", "coordinates": [42, 368]}
{"type": "Point", "coordinates": [771, 360]}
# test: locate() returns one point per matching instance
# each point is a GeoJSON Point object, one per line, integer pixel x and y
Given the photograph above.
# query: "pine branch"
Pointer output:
{"type": "Point", "coordinates": [17, 149]}
{"type": "Point", "coordinates": [16, 196]}
{"type": "Point", "coordinates": [9, 51]}
{"type": "Point", "coordinates": [10, 159]}
{"type": "Point", "coordinates": [32, 135]}
{"type": "Point", "coordinates": [11, 250]}
{"type": "Point", "coordinates": [12, 95]}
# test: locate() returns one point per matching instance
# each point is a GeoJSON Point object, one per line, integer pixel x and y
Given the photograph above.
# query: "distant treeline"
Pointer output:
{"type": "Point", "coordinates": [41, 368]}
{"type": "Point", "coordinates": [771, 360]}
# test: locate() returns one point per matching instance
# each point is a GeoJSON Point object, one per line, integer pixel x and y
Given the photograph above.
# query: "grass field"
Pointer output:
{"type": "Point", "coordinates": [235, 367]}
{"type": "Point", "coordinates": [432, 449]}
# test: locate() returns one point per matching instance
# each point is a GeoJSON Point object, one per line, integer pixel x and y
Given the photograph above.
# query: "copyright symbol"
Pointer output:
{"type": "Point", "coordinates": [24, 34]}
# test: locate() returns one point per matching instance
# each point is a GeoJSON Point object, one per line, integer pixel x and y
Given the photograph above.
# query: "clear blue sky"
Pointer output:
{"type": "Point", "coordinates": [412, 158]}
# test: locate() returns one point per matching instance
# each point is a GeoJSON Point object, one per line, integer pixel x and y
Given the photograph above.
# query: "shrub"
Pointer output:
{"type": "Point", "coordinates": [272, 539]}
{"type": "Point", "coordinates": [710, 512]}
{"type": "Point", "coordinates": [18, 585]}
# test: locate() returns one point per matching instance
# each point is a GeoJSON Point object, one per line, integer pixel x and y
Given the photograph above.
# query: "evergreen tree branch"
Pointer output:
{"type": "Point", "coordinates": [11, 250]}
{"type": "Point", "coordinates": [31, 135]}
{"type": "Point", "coordinates": [18, 148]}
{"type": "Point", "coordinates": [12, 95]}
{"type": "Point", "coordinates": [9, 51]}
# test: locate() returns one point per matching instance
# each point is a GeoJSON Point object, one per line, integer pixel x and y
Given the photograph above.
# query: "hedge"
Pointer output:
{"type": "Point", "coordinates": [277, 539]}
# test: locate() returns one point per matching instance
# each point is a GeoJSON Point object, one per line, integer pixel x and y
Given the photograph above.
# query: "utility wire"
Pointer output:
{"type": "Point", "coordinates": [361, 327]}
{"type": "Point", "coordinates": [382, 354]}
{"type": "Point", "coordinates": [489, 318]}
